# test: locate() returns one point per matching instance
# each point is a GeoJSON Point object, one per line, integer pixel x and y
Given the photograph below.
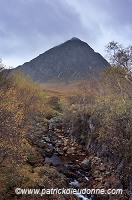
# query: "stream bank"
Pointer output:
{"type": "Point", "coordinates": [81, 168]}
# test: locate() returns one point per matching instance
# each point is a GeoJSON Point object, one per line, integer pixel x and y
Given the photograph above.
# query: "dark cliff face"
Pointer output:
{"type": "Point", "coordinates": [73, 59]}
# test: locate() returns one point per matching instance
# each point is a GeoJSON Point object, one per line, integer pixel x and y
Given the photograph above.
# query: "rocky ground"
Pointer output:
{"type": "Point", "coordinates": [81, 168]}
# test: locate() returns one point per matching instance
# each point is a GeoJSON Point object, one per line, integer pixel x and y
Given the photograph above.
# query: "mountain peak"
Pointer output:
{"type": "Point", "coordinates": [75, 38]}
{"type": "Point", "coordinates": [71, 60]}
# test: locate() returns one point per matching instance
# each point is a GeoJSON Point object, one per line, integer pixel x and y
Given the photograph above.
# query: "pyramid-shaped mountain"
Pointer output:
{"type": "Point", "coordinates": [73, 59]}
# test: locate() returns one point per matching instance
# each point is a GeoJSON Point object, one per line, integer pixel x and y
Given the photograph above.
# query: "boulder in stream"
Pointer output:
{"type": "Point", "coordinates": [86, 164]}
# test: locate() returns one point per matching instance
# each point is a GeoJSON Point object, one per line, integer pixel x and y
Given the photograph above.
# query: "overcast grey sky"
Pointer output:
{"type": "Point", "coordinates": [30, 27]}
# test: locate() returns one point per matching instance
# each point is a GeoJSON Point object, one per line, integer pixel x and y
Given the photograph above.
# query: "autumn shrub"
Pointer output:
{"type": "Point", "coordinates": [114, 113]}
{"type": "Point", "coordinates": [103, 118]}
{"type": "Point", "coordinates": [31, 96]}
{"type": "Point", "coordinates": [10, 116]}
{"type": "Point", "coordinates": [76, 116]}
{"type": "Point", "coordinates": [114, 125]}
{"type": "Point", "coordinates": [21, 100]}
{"type": "Point", "coordinates": [54, 103]}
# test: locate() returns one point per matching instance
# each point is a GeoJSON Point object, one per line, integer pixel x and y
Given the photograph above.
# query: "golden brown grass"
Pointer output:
{"type": "Point", "coordinates": [62, 89]}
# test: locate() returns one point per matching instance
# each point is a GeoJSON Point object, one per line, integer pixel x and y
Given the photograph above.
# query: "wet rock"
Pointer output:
{"type": "Point", "coordinates": [80, 180]}
{"type": "Point", "coordinates": [80, 147]}
{"type": "Point", "coordinates": [55, 159]}
{"type": "Point", "coordinates": [44, 128]}
{"type": "Point", "coordinates": [39, 132]}
{"type": "Point", "coordinates": [96, 160]}
{"type": "Point", "coordinates": [65, 143]}
{"type": "Point", "coordinates": [107, 173]}
{"type": "Point", "coordinates": [60, 151]}
{"type": "Point", "coordinates": [55, 123]}
{"type": "Point", "coordinates": [69, 174]}
{"type": "Point", "coordinates": [99, 179]}
{"type": "Point", "coordinates": [82, 197]}
{"type": "Point", "coordinates": [73, 144]}
{"type": "Point", "coordinates": [102, 167]}
{"type": "Point", "coordinates": [71, 150]}
{"type": "Point", "coordinates": [95, 197]}
{"type": "Point", "coordinates": [80, 153]}
{"type": "Point", "coordinates": [96, 174]}
{"type": "Point", "coordinates": [58, 144]}
{"type": "Point", "coordinates": [58, 130]}
{"type": "Point", "coordinates": [118, 184]}
{"type": "Point", "coordinates": [65, 149]}
{"type": "Point", "coordinates": [39, 119]}
{"type": "Point", "coordinates": [86, 164]}
{"type": "Point", "coordinates": [49, 152]}
{"type": "Point", "coordinates": [70, 167]}
{"type": "Point", "coordinates": [48, 163]}
{"type": "Point", "coordinates": [39, 144]}
{"type": "Point", "coordinates": [75, 183]}
{"type": "Point", "coordinates": [107, 185]}
{"type": "Point", "coordinates": [32, 122]}
{"type": "Point", "coordinates": [35, 129]}
{"type": "Point", "coordinates": [46, 139]}
{"type": "Point", "coordinates": [42, 152]}
{"type": "Point", "coordinates": [120, 167]}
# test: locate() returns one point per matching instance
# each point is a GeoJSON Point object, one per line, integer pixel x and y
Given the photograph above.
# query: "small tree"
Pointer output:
{"type": "Point", "coordinates": [1, 65]}
{"type": "Point", "coordinates": [5, 81]}
{"type": "Point", "coordinates": [119, 55]}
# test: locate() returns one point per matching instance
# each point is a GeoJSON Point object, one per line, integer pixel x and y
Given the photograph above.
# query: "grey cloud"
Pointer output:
{"type": "Point", "coordinates": [28, 18]}
{"type": "Point", "coordinates": [113, 19]}
{"type": "Point", "coordinates": [118, 13]}
{"type": "Point", "coordinates": [29, 27]}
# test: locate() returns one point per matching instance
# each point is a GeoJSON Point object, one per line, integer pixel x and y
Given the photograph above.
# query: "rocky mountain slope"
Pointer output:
{"type": "Point", "coordinates": [73, 59]}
